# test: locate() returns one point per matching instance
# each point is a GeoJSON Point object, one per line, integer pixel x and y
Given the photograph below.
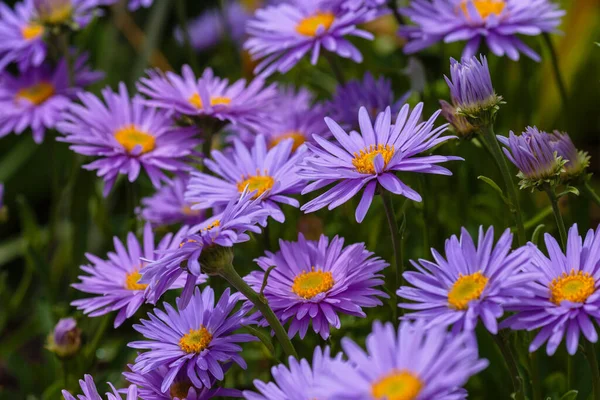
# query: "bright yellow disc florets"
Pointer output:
{"type": "Point", "coordinates": [575, 287]}
{"type": "Point", "coordinates": [465, 289]}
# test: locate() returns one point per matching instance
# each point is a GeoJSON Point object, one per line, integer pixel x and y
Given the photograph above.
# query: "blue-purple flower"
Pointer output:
{"type": "Point", "coordinates": [567, 299]}
{"type": "Point", "coordinates": [127, 136]}
{"type": "Point", "coordinates": [65, 340]}
{"type": "Point", "coordinates": [472, 283]}
{"type": "Point", "coordinates": [88, 387]}
{"type": "Point", "coordinates": [314, 281]}
{"type": "Point", "coordinates": [280, 35]}
{"type": "Point", "coordinates": [372, 158]}
{"type": "Point", "coordinates": [498, 22]}
{"type": "Point", "coordinates": [577, 161]}
{"type": "Point", "coordinates": [411, 363]}
{"type": "Point", "coordinates": [196, 341]}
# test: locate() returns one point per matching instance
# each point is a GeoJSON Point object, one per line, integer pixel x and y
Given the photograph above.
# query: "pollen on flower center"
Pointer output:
{"type": "Point", "coordinates": [32, 31]}
{"type": "Point", "coordinates": [38, 93]}
{"type": "Point", "coordinates": [363, 161]}
{"type": "Point", "coordinates": [196, 340]}
{"type": "Point", "coordinates": [309, 26]}
{"type": "Point", "coordinates": [212, 225]}
{"type": "Point", "coordinates": [196, 101]}
{"type": "Point", "coordinates": [575, 287]}
{"type": "Point", "coordinates": [484, 7]}
{"type": "Point", "coordinates": [180, 389]}
{"type": "Point", "coordinates": [256, 183]}
{"type": "Point", "coordinates": [132, 279]}
{"type": "Point", "coordinates": [298, 138]}
{"type": "Point", "coordinates": [309, 284]}
{"type": "Point", "coordinates": [465, 289]}
{"type": "Point", "coordinates": [399, 385]}
{"type": "Point", "coordinates": [130, 137]}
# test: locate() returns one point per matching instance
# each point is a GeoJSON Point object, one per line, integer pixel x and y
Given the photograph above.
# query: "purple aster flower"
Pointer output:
{"type": "Point", "coordinates": [197, 340]}
{"type": "Point", "coordinates": [496, 21]}
{"type": "Point", "coordinates": [566, 293]}
{"type": "Point", "coordinates": [135, 4]}
{"type": "Point", "coordinates": [460, 125]}
{"type": "Point", "coordinates": [91, 393]}
{"type": "Point", "coordinates": [576, 161]}
{"type": "Point", "coordinates": [372, 157]}
{"type": "Point", "coordinates": [223, 230]}
{"type": "Point", "coordinates": [22, 37]}
{"type": "Point", "coordinates": [65, 340]}
{"type": "Point", "coordinates": [268, 173]}
{"type": "Point", "coordinates": [282, 34]}
{"type": "Point", "coordinates": [37, 97]}
{"type": "Point", "coordinates": [115, 281]}
{"type": "Point", "coordinates": [299, 381]}
{"type": "Point", "coordinates": [472, 283]}
{"type": "Point", "coordinates": [126, 135]}
{"type": "Point", "coordinates": [412, 363]}
{"type": "Point", "coordinates": [210, 96]}
{"type": "Point", "coordinates": [74, 13]}
{"type": "Point", "coordinates": [314, 281]}
{"type": "Point", "coordinates": [373, 94]}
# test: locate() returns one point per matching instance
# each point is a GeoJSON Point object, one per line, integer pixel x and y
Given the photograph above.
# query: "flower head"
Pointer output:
{"type": "Point", "coordinates": [135, 4]}
{"type": "Point", "coordinates": [459, 124]}
{"type": "Point", "coordinates": [372, 157]}
{"type": "Point", "coordinates": [88, 387]}
{"type": "Point", "coordinates": [472, 283]}
{"type": "Point", "coordinates": [282, 34]}
{"type": "Point", "coordinates": [314, 281]}
{"type": "Point", "coordinates": [66, 338]}
{"type": "Point", "coordinates": [37, 97]}
{"type": "Point", "coordinates": [196, 341]}
{"type": "Point", "coordinates": [496, 21]}
{"type": "Point", "coordinates": [567, 298]}
{"type": "Point", "coordinates": [576, 161]}
{"type": "Point", "coordinates": [268, 173]}
{"type": "Point", "coordinates": [210, 97]}
{"type": "Point", "coordinates": [411, 363]}
{"type": "Point", "coordinates": [126, 135]}
{"type": "Point", "coordinates": [74, 13]}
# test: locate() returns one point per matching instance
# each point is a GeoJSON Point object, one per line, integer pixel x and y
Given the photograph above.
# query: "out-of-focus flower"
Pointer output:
{"type": "Point", "coordinates": [37, 97]}
{"type": "Point", "coordinates": [372, 157]}
{"type": "Point", "coordinates": [74, 13]}
{"type": "Point", "coordinates": [196, 341]}
{"type": "Point", "coordinates": [496, 21]}
{"type": "Point", "coordinates": [268, 173]}
{"type": "Point", "coordinates": [115, 281]}
{"type": "Point", "coordinates": [282, 34]}
{"type": "Point", "coordinates": [301, 380]}
{"type": "Point", "coordinates": [210, 97]}
{"type": "Point", "coordinates": [135, 4]}
{"type": "Point", "coordinates": [65, 341]}
{"type": "Point", "coordinates": [91, 393]}
{"type": "Point", "coordinates": [472, 283]}
{"type": "Point", "coordinates": [411, 363]}
{"type": "Point", "coordinates": [461, 127]}
{"type": "Point", "coordinates": [126, 135]}
{"type": "Point", "coordinates": [566, 293]}
{"type": "Point", "coordinates": [576, 161]}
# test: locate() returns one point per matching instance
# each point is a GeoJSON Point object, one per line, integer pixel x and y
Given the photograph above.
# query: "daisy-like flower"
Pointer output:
{"type": "Point", "coordinates": [497, 21]}
{"type": "Point", "coordinates": [413, 363]}
{"type": "Point", "coordinates": [472, 283]}
{"type": "Point", "coordinates": [126, 135]}
{"type": "Point", "coordinates": [567, 299]}
{"type": "Point", "coordinates": [268, 173]}
{"type": "Point", "coordinates": [88, 387]}
{"type": "Point", "coordinates": [204, 241]}
{"type": "Point", "coordinates": [210, 97]}
{"type": "Point", "coordinates": [577, 161]}
{"type": "Point", "coordinates": [196, 341]}
{"type": "Point", "coordinates": [115, 281]}
{"type": "Point", "coordinates": [301, 380]}
{"type": "Point", "coordinates": [314, 281]}
{"type": "Point", "coordinates": [282, 34]}
{"type": "Point", "coordinates": [168, 206]}
{"type": "Point", "coordinates": [373, 94]}
{"type": "Point", "coordinates": [37, 97]}
{"type": "Point", "coordinates": [74, 13]}
{"type": "Point", "coordinates": [372, 157]}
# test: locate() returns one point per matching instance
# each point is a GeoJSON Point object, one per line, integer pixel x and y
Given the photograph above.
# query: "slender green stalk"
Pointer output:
{"type": "Point", "coordinates": [590, 353]}
{"type": "Point", "coordinates": [591, 193]}
{"type": "Point", "coordinates": [63, 43]}
{"type": "Point", "coordinates": [230, 275]}
{"type": "Point", "coordinates": [337, 72]}
{"type": "Point", "coordinates": [559, 220]}
{"type": "Point", "coordinates": [560, 83]}
{"type": "Point", "coordinates": [390, 214]}
{"type": "Point", "coordinates": [393, 6]}
{"type": "Point", "coordinates": [570, 375]}
{"type": "Point", "coordinates": [511, 364]}
{"type": "Point", "coordinates": [534, 367]}
{"type": "Point", "coordinates": [207, 134]}
{"type": "Point", "coordinates": [187, 40]}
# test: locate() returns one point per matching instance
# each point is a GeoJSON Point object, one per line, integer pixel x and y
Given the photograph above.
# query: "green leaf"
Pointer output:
{"type": "Point", "coordinates": [536, 233]}
{"type": "Point", "coordinates": [570, 395]}
{"type": "Point", "coordinates": [495, 186]}
{"type": "Point", "coordinates": [568, 189]}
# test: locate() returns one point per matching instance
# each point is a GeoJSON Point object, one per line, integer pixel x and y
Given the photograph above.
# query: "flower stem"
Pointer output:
{"type": "Point", "coordinates": [187, 40]}
{"type": "Point", "coordinates": [63, 43]}
{"type": "Point", "coordinates": [337, 72]}
{"type": "Point", "coordinates": [560, 83]}
{"type": "Point", "coordinates": [393, 6]}
{"type": "Point", "coordinates": [230, 275]}
{"type": "Point", "coordinates": [559, 220]}
{"type": "Point", "coordinates": [590, 353]}
{"type": "Point", "coordinates": [511, 364]}
{"type": "Point", "coordinates": [489, 137]}
{"type": "Point", "coordinates": [390, 214]}
{"type": "Point", "coordinates": [591, 193]}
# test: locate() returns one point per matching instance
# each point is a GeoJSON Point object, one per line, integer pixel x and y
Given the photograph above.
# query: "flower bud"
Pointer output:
{"type": "Point", "coordinates": [66, 338]}
{"type": "Point", "coordinates": [576, 162]}
{"type": "Point", "coordinates": [461, 127]}
{"type": "Point", "coordinates": [54, 12]}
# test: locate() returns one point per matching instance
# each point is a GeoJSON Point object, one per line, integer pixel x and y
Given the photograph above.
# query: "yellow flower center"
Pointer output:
{"type": "Point", "coordinates": [484, 7]}
{"type": "Point", "coordinates": [132, 279]}
{"type": "Point", "coordinates": [187, 210]}
{"type": "Point", "coordinates": [308, 26]}
{"type": "Point", "coordinates": [32, 31]}
{"type": "Point", "coordinates": [257, 183]}
{"type": "Point", "coordinates": [58, 12]}
{"type": "Point", "coordinates": [575, 287]}
{"type": "Point", "coordinates": [196, 101]}
{"type": "Point", "coordinates": [399, 385]}
{"type": "Point", "coordinates": [38, 93]}
{"type": "Point", "coordinates": [363, 161]}
{"type": "Point", "coordinates": [130, 137]}
{"type": "Point", "coordinates": [212, 225]}
{"type": "Point", "coordinates": [298, 137]}
{"type": "Point", "coordinates": [196, 340]}
{"type": "Point", "coordinates": [180, 389]}
{"type": "Point", "coordinates": [309, 284]}
{"type": "Point", "coordinates": [465, 289]}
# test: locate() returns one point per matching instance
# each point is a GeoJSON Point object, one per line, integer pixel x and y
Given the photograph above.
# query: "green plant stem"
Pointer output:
{"type": "Point", "coordinates": [337, 72]}
{"type": "Point", "coordinates": [63, 43]}
{"type": "Point", "coordinates": [590, 353]}
{"type": "Point", "coordinates": [559, 220]}
{"type": "Point", "coordinates": [535, 376]}
{"type": "Point", "coordinates": [207, 135]}
{"type": "Point", "coordinates": [388, 206]}
{"type": "Point", "coordinates": [560, 83]}
{"type": "Point", "coordinates": [570, 371]}
{"type": "Point", "coordinates": [187, 40]}
{"type": "Point", "coordinates": [490, 139]}
{"type": "Point", "coordinates": [230, 275]}
{"type": "Point", "coordinates": [393, 6]}
{"type": "Point", "coordinates": [591, 193]}
{"type": "Point", "coordinates": [511, 364]}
